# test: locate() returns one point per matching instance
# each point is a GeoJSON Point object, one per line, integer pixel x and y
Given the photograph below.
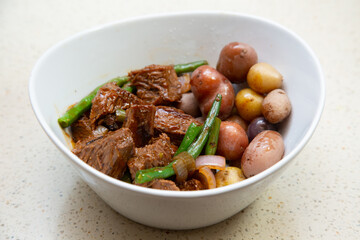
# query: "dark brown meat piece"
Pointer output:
{"type": "Point", "coordinates": [156, 84]}
{"type": "Point", "coordinates": [108, 154]}
{"type": "Point", "coordinates": [174, 122]}
{"type": "Point", "coordinates": [109, 98]}
{"type": "Point", "coordinates": [81, 129]}
{"type": "Point", "coordinates": [83, 143]}
{"type": "Point", "coordinates": [191, 185]}
{"type": "Point", "coordinates": [109, 121]}
{"type": "Point", "coordinates": [156, 154]}
{"type": "Point", "coordinates": [140, 120]}
{"type": "Point", "coordinates": [161, 184]}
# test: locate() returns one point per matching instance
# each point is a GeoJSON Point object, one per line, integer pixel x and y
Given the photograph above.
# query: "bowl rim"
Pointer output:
{"type": "Point", "coordinates": [164, 193]}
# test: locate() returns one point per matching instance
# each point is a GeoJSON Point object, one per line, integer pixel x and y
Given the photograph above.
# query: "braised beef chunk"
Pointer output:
{"type": "Point", "coordinates": [81, 129]}
{"type": "Point", "coordinates": [83, 143]}
{"type": "Point", "coordinates": [156, 154]}
{"type": "Point", "coordinates": [109, 98]}
{"type": "Point", "coordinates": [156, 84]}
{"type": "Point", "coordinates": [161, 184]}
{"type": "Point", "coordinates": [191, 185]}
{"type": "Point", "coordinates": [174, 122]}
{"type": "Point", "coordinates": [108, 154]}
{"type": "Point", "coordinates": [140, 120]}
{"type": "Point", "coordinates": [109, 121]}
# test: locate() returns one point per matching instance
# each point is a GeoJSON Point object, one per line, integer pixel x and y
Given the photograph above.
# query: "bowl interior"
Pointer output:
{"type": "Point", "coordinates": [74, 67]}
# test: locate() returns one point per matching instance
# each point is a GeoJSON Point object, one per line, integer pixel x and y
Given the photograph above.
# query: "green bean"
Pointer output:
{"type": "Point", "coordinates": [192, 132]}
{"type": "Point", "coordinates": [78, 109]}
{"type": "Point", "coordinates": [75, 112]}
{"type": "Point", "coordinates": [147, 175]}
{"type": "Point", "coordinates": [120, 115]}
{"type": "Point", "coordinates": [194, 150]}
{"type": "Point", "coordinates": [189, 67]}
{"type": "Point", "coordinates": [211, 145]}
{"type": "Point", "coordinates": [129, 88]}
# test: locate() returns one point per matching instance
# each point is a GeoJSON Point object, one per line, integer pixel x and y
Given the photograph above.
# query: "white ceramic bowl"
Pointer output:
{"type": "Point", "coordinates": [75, 66]}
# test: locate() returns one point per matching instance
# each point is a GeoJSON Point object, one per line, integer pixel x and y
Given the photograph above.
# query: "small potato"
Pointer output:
{"type": "Point", "coordinates": [263, 78]}
{"type": "Point", "coordinates": [258, 125]}
{"type": "Point", "coordinates": [237, 119]}
{"type": "Point", "coordinates": [266, 149]}
{"type": "Point", "coordinates": [248, 104]}
{"type": "Point", "coordinates": [206, 83]}
{"type": "Point", "coordinates": [235, 60]}
{"type": "Point", "coordinates": [276, 106]}
{"type": "Point", "coordinates": [189, 104]}
{"type": "Point", "coordinates": [229, 176]}
{"type": "Point", "coordinates": [232, 141]}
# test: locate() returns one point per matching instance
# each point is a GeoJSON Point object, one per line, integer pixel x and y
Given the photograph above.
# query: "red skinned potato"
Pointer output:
{"type": "Point", "coordinates": [239, 120]}
{"type": "Point", "coordinates": [206, 82]}
{"type": "Point", "coordinates": [189, 104]}
{"type": "Point", "coordinates": [266, 149]}
{"type": "Point", "coordinates": [232, 141]}
{"type": "Point", "coordinates": [235, 60]}
{"type": "Point", "coordinates": [276, 106]}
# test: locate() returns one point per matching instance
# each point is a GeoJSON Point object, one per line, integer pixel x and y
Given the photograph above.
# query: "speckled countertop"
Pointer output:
{"type": "Point", "coordinates": [42, 197]}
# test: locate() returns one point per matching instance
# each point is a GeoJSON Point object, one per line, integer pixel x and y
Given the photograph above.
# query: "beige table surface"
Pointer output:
{"type": "Point", "coordinates": [42, 197]}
